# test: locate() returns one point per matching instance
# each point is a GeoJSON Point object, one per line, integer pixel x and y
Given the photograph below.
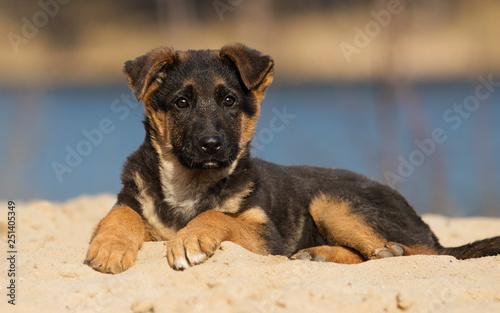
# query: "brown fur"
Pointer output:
{"type": "Point", "coordinates": [193, 182]}
{"type": "Point", "coordinates": [251, 77]}
{"type": "Point", "coordinates": [116, 241]}
{"type": "Point", "coordinates": [340, 226]}
{"type": "Point", "coordinates": [159, 122]}
{"type": "Point", "coordinates": [416, 249]}
{"type": "Point", "coordinates": [204, 234]}
{"type": "Point", "coordinates": [259, 92]}
{"type": "Point", "coordinates": [247, 129]}
{"type": "Point", "coordinates": [337, 254]}
{"type": "Point", "coordinates": [232, 204]}
{"type": "Point", "coordinates": [142, 83]}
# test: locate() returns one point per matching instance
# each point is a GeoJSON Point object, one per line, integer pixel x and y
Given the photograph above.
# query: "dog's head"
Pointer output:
{"type": "Point", "coordinates": [201, 105]}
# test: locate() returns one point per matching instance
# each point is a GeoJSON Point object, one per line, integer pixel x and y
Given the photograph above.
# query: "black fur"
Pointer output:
{"type": "Point", "coordinates": [284, 193]}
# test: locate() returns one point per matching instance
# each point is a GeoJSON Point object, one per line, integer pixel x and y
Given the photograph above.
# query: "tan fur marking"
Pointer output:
{"type": "Point", "coordinates": [204, 234]}
{"type": "Point", "coordinates": [418, 250]}
{"type": "Point", "coordinates": [219, 81]}
{"type": "Point", "coordinates": [247, 128]}
{"type": "Point", "coordinates": [148, 92]}
{"type": "Point", "coordinates": [248, 125]}
{"type": "Point", "coordinates": [159, 123]}
{"type": "Point", "coordinates": [241, 228]}
{"type": "Point", "coordinates": [260, 91]}
{"type": "Point", "coordinates": [232, 205]}
{"type": "Point", "coordinates": [340, 226]}
{"type": "Point", "coordinates": [149, 211]}
{"type": "Point", "coordinates": [253, 216]}
{"type": "Point", "coordinates": [116, 241]}
{"type": "Point", "coordinates": [337, 254]}
{"type": "Point", "coordinates": [121, 218]}
{"type": "Point", "coordinates": [246, 230]}
{"type": "Point", "coordinates": [143, 84]}
{"type": "Point", "coordinates": [157, 59]}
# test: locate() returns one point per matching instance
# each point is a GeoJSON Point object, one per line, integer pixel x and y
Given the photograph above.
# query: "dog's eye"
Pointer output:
{"type": "Point", "coordinates": [181, 103]}
{"type": "Point", "coordinates": [229, 101]}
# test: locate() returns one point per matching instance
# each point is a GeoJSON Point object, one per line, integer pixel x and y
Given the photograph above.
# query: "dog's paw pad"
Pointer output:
{"type": "Point", "coordinates": [320, 259]}
{"type": "Point", "coordinates": [303, 255]}
{"type": "Point", "coordinates": [396, 248]}
{"type": "Point", "coordinates": [391, 249]}
{"type": "Point", "coordinates": [308, 255]}
{"type": "Point", "coordinates": [382, 253]}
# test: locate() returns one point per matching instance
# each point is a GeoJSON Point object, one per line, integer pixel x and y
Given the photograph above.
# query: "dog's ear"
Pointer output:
{"type": "Point", "coordinates": [255, 69]}
{"type": "Point", "coordinates": [142, 71]}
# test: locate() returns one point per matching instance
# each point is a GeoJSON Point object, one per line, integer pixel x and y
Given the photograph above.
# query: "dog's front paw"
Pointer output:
{"type": "Point", "coordinates": [111, 254]}
{"type": "Point", "coordinates": [191, 246]}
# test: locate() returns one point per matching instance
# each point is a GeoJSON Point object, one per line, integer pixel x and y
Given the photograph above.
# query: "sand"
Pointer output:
{"type": "Point", "coordinates": [50, 275]}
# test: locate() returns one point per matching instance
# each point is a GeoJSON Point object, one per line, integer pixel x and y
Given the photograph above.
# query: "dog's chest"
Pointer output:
{"type": "Point", "coordinates": [190, 193]}
{"type": "Point", "coordinates": [181, 191]}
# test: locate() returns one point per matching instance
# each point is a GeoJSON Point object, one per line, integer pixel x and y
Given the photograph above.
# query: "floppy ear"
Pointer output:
{"type": "Point", "coordinates": [142, 71]}
{"type": "Point", "coordinates": [255, 69]}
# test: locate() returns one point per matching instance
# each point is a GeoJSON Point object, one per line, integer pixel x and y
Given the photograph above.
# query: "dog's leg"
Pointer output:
{"type": "Point", "coordinates": [116, 241]}
{"type": "Point", "coordinates": [341, 226]}
{"type": "Point", "coordinates": [337, 222]}
{"type": "Point", "coordinates": [196, 242]}
{"type": "Point", "coordinates": [397, 249]}
{"type": "Point", "coordinates": [337, 254]}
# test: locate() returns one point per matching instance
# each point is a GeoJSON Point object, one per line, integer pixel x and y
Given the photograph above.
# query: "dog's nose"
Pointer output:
{"type": "Point", "coordinates": [211, 144]}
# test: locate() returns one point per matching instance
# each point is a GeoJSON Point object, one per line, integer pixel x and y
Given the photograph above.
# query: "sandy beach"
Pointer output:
{"type": "Point", "coordinates": [50, 275]}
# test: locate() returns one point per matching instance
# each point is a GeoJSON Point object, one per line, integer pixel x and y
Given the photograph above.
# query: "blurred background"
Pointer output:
{"type": "Point", "coordinates": [405, 92]}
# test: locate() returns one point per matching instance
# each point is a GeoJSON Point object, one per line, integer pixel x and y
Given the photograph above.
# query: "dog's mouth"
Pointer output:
{"type": "Point", "coordinates": [211, 165]}
{"type": "Point", "coordinates": [207, 164]}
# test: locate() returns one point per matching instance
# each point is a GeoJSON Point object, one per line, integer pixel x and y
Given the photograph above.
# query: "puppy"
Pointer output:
{"type": "Point", "coordinates": [194, 184]}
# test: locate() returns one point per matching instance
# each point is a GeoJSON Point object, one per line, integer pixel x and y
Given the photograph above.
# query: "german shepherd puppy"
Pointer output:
{"type": "Point", "coordinates": [194, 184]}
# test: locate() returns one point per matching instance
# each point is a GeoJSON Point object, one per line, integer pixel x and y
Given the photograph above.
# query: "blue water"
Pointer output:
{"type": "Point", "coordinates": [352, 126]}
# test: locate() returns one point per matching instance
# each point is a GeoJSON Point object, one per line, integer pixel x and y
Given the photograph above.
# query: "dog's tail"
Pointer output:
{"type": "Point", "coordinates": [476, 249]}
